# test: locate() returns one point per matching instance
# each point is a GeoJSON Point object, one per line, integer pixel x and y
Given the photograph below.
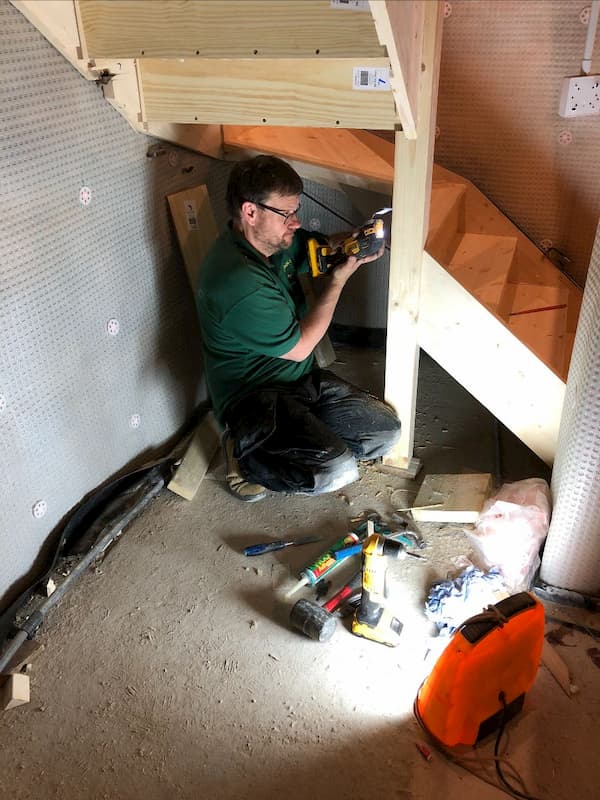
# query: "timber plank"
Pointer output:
{"type": "Point", "coordinates": [196, 461]}
{"type": "Point", "coordinates": [459, 498]}
{"type": "Point", "coordinates": [282, 91]}
{"type": "Point", "coordinates": [195, 226]}
{"type": "Point", "coordinates": [237, 28]}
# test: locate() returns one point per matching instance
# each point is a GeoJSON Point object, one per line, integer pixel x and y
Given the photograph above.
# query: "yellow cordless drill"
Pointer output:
{"type": "Point", "coordinates": [366, 241]}
{"type": "Point", "coordinates": [373, 619]}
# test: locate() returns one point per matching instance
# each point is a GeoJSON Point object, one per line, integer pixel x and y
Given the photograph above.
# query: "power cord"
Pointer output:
{"type": "Point", "coordinates": [505, 783]}
{"type": "Point", "coordinates": [464, 761]}
{"type": "Point", "coordinates": [331, 211]}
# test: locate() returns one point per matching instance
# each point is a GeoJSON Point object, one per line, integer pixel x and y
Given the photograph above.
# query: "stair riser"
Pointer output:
{"type": "Point", "coordinates": [444, 239]}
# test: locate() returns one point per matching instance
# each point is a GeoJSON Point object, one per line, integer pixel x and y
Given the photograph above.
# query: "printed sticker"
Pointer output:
{"type": "Point", "coordinates": [190, 213]}
{"type": "Point", "coordinates": [353, 5]}
{"type": "Point", "coordinates": [371, 78]}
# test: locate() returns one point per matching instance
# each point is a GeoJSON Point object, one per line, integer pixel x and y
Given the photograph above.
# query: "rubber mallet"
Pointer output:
{"type": "Point", "coordinates": [318, 622]}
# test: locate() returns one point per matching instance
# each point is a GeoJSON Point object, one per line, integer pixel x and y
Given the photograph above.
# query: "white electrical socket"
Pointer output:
{"type": "Point", "coordinates": [580, 96]}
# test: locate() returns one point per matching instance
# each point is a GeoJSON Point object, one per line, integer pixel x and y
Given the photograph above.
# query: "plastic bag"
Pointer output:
{"type": "Point", "coordinates": [511, 528]}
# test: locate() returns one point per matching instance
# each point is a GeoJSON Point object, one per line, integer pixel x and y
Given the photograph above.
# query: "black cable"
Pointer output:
{"type": "Point", "coordinates": [335, 213]}
{"type": "Point", "coordinates": [331, 211]}
{"type": "Point", "coordinates": [510, 788]}
{"type": "Point", "coordinates": [461, 762]}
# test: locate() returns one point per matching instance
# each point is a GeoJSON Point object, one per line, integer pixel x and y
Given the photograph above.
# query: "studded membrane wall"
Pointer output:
{"type": "Point", "coordinates": [100, 360]}
{"type": "Point", "coordinates": [501, 73]}
{"type": "Point", "coordinates": [572, 553]}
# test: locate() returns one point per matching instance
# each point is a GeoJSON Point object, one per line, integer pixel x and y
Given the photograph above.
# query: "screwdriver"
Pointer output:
{"type": "Point", "coordinates": [268, 547]}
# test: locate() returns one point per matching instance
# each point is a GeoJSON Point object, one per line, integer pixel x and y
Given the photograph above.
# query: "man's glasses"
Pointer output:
{"type": "Point", "coordinates": [287, 215]}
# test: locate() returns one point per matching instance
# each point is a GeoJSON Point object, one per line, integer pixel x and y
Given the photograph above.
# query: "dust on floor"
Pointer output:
{"type": "Point", "coordinates": [172, 670]}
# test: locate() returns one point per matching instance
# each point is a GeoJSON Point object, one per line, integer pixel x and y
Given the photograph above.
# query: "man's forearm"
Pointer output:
{"type": "Point", "coordinates": [314, 325]}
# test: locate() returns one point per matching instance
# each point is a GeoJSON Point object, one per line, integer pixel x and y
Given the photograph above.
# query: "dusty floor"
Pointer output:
{"type": "Point", "coordinates": [171, 670]}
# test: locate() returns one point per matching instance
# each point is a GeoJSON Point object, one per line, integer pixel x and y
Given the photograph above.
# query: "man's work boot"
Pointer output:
{"type": "Point", "coordinates": [236, 483]}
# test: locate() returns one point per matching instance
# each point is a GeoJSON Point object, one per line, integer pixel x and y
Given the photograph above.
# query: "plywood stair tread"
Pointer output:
{"type": "Point", "coordinates": [345, 151]}
{"type": "Point", "coordinates": [538, 317]}
{"type": "Point", "coordinates": [482, 265]}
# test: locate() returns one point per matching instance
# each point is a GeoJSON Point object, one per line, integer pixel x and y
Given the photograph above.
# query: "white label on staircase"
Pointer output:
{"type": "Point", "coordinates": [354, 5]}
{"type": "Point", "coordinates": [371, 78]}
{"type": "Point", "coordinates": [191, 216]}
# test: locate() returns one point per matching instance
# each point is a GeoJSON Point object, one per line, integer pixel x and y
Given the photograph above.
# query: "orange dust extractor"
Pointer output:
{"type": "Point", "coordinates": [481, 678]}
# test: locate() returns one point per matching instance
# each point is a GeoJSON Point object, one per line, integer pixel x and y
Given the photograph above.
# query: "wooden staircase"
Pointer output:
{"type": "Point", "coordinates": [494, 310]}
{"type": "Point", "coordinates": [470, 288]}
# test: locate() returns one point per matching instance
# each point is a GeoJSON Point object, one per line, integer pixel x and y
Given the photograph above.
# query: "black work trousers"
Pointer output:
{"type": "Point", "coordinates": [306, 437]}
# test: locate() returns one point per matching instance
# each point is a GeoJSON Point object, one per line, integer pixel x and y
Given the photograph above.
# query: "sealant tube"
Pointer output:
{"type": "Point", "coordinates": [326, 562]}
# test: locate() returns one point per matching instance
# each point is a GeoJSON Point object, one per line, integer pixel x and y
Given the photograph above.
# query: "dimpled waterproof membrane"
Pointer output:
{"type": "Point", "coordinates": [572, 554]}
{"type": "Point", "coordinates": [78, 404]}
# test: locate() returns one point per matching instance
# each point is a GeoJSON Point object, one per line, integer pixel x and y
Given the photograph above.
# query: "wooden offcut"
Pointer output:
{"type": "Point", "coordinates": [400, 28]}
{"type": "Point", "coordinates": [451, 498]}
{"type": "Point", "coordinates": [195, 225]}
{"type": "Point", "coordinates": [194, 466]}
{"type": "Point", "coordinates": [15, 691]}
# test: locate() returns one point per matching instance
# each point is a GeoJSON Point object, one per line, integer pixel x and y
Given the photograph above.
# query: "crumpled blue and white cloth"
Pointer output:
{"type": "Point", "coordinates": [453, 601]}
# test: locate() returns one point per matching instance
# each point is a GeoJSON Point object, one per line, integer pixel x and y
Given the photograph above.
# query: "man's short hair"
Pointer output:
{"type": "Point", "coordinates": [256, 178]}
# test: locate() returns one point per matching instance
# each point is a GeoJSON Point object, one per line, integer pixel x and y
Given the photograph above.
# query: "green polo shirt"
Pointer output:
{"type": "Point", "coordinates": [250, 308]}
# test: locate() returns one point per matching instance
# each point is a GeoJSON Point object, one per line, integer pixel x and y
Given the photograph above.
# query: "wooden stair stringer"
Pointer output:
{"type": "Point", "coordinates": [494, 366]}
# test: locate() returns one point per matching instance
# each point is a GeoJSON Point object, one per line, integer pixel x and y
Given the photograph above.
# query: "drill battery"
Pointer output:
{"type": "Point", "coordinates": [366, 241]}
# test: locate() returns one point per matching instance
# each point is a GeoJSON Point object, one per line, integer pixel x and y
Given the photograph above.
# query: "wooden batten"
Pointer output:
{"type": "Point", "coordinates": [400, 28]}
{"type": "Point", "coordinates": [234, 29]}
{"type": "Point", "coordinates": [411, 194]}
{"type": "Point", "coordinates": [56, 20]}
{"type": "Point", "coordinates": [298, 92]}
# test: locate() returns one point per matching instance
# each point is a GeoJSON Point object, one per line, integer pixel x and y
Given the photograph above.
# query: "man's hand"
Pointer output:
{"type": "Point", "coordinates": [344, 271]}
{"type": "Point", "coordinates": [314, 325]}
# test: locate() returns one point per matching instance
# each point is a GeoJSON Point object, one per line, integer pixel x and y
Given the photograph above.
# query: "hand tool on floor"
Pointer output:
{"type": "Point", "coordinates": [373, 619]}
{"type": "Point", "coordinates": [269, 547]}
{"type": "Point", "coordinates": [327, 562]}
{"type": "Point", "coordinates": [318, 622]}
{"type": "Point", "coordinates": [366, 241]}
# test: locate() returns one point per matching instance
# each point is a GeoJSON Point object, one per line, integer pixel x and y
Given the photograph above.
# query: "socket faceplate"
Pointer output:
{"type": "Point", "coordinates": [580, 97]}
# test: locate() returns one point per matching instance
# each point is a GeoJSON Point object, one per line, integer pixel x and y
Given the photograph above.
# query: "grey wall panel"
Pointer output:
{"type": "Point", "coordinates": [71, 394]}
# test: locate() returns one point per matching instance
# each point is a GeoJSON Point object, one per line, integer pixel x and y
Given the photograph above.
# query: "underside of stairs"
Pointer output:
{"type": "Point", "coordinates": [485, 303]}
{"type": "Point", "coordinates": [494, 312]}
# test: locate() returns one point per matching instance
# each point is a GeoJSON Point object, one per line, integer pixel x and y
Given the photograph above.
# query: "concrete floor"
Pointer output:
{"type": "Point", "coordinates": [171, 670]}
